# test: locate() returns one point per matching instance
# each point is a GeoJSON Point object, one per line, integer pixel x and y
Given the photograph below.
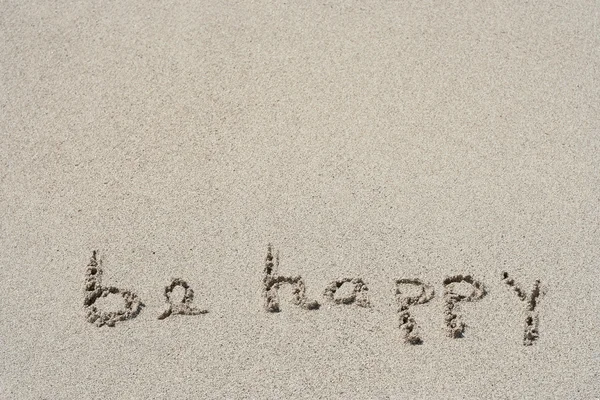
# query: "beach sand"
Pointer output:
{"type": "Point", "coordinates": [383, 141]}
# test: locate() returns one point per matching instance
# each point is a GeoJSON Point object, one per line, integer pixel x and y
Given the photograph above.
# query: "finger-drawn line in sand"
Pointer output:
{"type": "Point", "coordinates": [407, 324]}
{"type": "Point", "coordinates": [454, 324]}
{"type": "Point", "coordinates": [184, 307]}
{"type": "Point", "coordinates": [532, 321]}
{"type": "Point", "coordinates": [358, 296]}
{"type": "Point", "coordinates": [94, 290]}
{"type": "Point", "coordinates": [272, 281]}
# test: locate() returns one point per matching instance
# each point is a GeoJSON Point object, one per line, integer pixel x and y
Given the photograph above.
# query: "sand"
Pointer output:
{"type": "Point", "coordinates": [389, 152]}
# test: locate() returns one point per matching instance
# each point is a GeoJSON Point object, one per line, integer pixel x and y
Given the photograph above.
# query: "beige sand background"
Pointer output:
{"type": "Point", "coordinates": [382, 140]}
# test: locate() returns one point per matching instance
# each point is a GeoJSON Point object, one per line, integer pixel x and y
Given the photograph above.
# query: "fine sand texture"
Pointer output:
{"type": "Point", "coordinates": [299, 199]}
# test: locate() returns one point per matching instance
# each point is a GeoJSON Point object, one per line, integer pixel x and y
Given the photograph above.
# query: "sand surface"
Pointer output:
{"type": "Point", "coordinates": [380, 140]}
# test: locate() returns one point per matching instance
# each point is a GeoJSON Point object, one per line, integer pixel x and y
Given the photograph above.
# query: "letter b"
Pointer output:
{"type": "Point", "coordinates": [94, 290]}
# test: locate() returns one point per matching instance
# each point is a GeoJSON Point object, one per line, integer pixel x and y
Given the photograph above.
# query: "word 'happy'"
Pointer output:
{"type": "Point", "coordinates": [405, 290]}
